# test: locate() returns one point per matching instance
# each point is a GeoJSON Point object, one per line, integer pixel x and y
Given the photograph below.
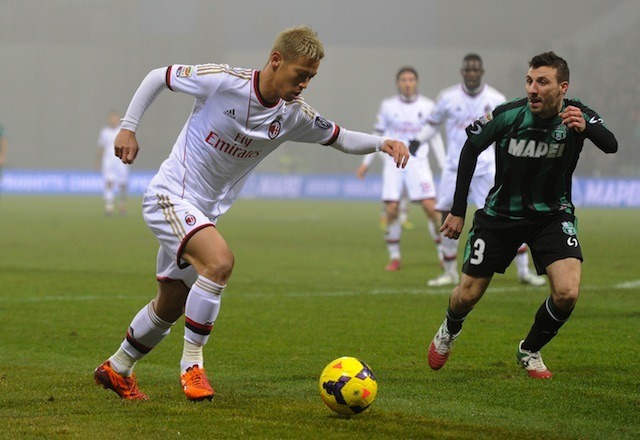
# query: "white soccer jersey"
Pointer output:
{"type": "Point", "coordinates": [403, 120]}
{"type": "Point", "coordinates": [457, 109]}
{"type": "Point", "coordinates": [112, 167]}
{"type": "Point", "coordinates": [230, 130]}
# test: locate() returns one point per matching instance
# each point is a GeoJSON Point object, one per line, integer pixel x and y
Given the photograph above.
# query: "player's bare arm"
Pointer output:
{"type": "Point", "coordinates": [126, 146]}
{"type": "Point", "coordinates": [572, 117]}
{"type": "Point", "coordinates": [362, 171]}
{"type": "Point", "coordinates": [452, 226]}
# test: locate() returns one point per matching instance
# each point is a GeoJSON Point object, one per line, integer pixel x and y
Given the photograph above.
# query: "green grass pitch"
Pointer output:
{"type": "Point", "coordinates": [309, 286]}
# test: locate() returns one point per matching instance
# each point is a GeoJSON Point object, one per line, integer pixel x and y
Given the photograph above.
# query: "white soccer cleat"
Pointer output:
{"type": "Point", "coordinates": [445, 279]}
{"type": "Point", "coordinates": [533, 280]}
{"type": "Point", "coordinates": [532, 362]}
{"type": "Point", "coordinates": [440, 347]}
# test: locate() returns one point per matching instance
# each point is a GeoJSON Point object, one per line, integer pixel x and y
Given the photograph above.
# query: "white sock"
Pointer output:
{"type": "Point", "coordinates": [435, 235]}
{"type": "Point", "coordinates": [403, 208]}
{"type": "Point", "coordinates": [109, 198]}
{"type": "Point", "coordinates": [522, 261]}
{"type": "Point", "coordinates": [392, 237]}
{"type": "Point", "coordinates": [201, 311]}
{"type": "Point", "coordinates": [191, 355]}
{"type": "Point", "coordinates": [449, 251]}
{"type": "Point", "coordinates": [146, 331]}
{"type": "Point", "coordinates": [122, 363]}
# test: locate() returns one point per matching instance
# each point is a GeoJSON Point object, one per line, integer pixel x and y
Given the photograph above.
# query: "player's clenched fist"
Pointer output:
{"type": "Point", "coordinates": [126, 146]}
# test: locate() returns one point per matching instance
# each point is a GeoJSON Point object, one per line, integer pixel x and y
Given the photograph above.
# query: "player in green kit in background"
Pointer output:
{"type": "Point", "coordinates": [538, 141]}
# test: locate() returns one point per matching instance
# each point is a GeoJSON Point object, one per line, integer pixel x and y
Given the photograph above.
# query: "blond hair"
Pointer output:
{"type": "Point", "coordinates": [299, 41]}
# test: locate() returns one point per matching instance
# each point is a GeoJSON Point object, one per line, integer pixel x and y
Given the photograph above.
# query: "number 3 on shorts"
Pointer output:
{"type": "Point", "coordinates": [477, 253]}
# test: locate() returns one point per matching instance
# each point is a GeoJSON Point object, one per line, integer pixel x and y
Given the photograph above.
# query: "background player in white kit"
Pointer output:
{"type": "Point", "coordinates": [238, 118]}
{"type": "Point", "coordinates": [457, 107]}
{"type": "Point", "coordinates": [115, 174]}
{"type": "Point", "coordinates": [403, 117]}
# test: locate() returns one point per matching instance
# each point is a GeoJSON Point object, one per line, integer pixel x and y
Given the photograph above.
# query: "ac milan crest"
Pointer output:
{"type": "Point", "coordinates": [190, 219]}
{"type": "Point", "coordinates": [274, 129]}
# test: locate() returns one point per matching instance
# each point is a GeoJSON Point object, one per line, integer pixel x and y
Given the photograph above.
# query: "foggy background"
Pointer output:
{"type": "Point", "coordinates": [67, 63]}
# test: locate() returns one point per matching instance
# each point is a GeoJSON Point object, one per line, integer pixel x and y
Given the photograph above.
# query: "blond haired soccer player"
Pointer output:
{"type": "Point", "coordinates": [538, 142]}
{"type": "Point", "coordinates": [238, 118]}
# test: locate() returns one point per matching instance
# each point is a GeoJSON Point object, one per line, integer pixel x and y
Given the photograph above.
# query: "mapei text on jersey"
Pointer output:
{"type": "Point", "coordinates": [531, 148]}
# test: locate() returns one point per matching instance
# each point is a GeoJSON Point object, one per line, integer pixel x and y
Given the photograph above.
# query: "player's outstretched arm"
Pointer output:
{"type": "Point", "coordinates": [126, 146]}
{"type": "Point", "coordinates": [355, 142]}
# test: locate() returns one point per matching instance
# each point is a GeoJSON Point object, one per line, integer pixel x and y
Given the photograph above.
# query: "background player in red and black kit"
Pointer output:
{"type": "Point", "coordinates": [538, 142]}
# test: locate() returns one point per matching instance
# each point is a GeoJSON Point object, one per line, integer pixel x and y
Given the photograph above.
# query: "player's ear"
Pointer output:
{"type": "Point", "coordinates": [276, 59]}
{"type": "Point", "coordinates": [564, 86]}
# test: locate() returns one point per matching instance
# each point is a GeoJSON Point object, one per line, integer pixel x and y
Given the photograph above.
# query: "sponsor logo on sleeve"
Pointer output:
{"type": "Point", "coordinates": [322, 123]}
{"type": "Point", "coordinates": [184, 71]}
{"type": "Point", "coordinates": [476, 126]}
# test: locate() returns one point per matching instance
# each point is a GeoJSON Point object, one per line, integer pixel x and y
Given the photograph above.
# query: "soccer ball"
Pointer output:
{"type": "Point", "coordinates": [348, 386]}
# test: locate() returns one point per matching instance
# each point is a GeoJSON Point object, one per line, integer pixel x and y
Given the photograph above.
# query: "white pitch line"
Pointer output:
{"type": "Point", "coordinates": [62, 298]}
{"type": "Point", "coordinates": [417, 291]}
{"type": "Point", "coordinates": [628, 285]}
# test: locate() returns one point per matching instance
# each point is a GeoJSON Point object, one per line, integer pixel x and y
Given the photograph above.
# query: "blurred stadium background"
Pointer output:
{"type": "Point", "coordinates": [68, 62]}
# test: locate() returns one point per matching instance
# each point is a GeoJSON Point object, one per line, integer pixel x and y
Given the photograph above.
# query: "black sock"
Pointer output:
{"type": "Point", "coordinates": [455, 320]}
{"type": "Point", "coordinates": [548, 321]}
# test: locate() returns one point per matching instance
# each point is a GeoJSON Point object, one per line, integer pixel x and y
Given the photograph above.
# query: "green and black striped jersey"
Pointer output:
{"type": "Point", "coordinates": [535, 159]}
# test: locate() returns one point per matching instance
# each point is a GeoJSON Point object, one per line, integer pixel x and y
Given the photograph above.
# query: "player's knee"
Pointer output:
{"type": "Point", "coordinates": [471, 290]}
{"type": "Point", "coordinates": [219, 270]}
{"type": "Point", "coordinates": [565, 298]}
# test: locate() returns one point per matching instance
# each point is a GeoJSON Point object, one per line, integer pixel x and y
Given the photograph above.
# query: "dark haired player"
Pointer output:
{"type": "Point", "coordinates": [538, 141]}
{"type": "Point", "coordinates": [457, 107]}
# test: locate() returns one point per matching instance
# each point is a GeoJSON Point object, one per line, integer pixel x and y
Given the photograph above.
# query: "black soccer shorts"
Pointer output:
{"type": "Point", "coordinates": [493, 243]}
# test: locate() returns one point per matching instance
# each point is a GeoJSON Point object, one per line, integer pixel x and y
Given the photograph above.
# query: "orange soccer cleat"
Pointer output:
{"type": "Point", "coordinates": [195, 384]}
{"type": "Point", "coordinates": [125, 387]}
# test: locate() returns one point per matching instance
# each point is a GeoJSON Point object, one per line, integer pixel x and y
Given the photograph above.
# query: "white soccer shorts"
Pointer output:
{"type": "Point", "coordinates": [115, 171]}
{"type": "Point", "coordinates": [416, 178]}
{"type": "Point", "coordinates": [481, 184]}
{"type": "Point", "coordinates": [173, 221]}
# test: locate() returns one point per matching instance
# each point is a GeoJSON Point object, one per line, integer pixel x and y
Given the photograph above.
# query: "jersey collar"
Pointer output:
{"type": "Point", "coordinates": [256, 89]}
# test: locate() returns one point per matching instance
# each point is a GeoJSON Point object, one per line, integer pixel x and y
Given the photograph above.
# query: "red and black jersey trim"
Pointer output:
{"type": "Point", "coordinates": [167, 77]}
{"type": "Point", "coordinates": [336, 132]}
